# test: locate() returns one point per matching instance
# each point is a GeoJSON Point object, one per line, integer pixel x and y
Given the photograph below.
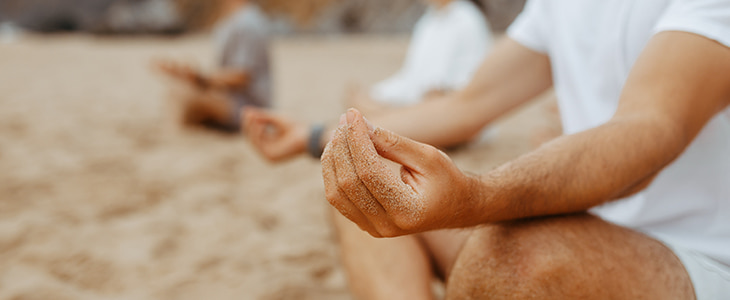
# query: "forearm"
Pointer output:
{"type": "Point", "coordinates": [576, 172]}
{"type": "Point", "coordinates": [509, 77]}
{"type": "Point", "coordinates": [444, 122]}
{"type": "Point", "coordinates": [676, 86]}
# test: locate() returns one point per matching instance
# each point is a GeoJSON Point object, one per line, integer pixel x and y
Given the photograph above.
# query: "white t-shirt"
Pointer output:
{"type": "Point", "coordinates": [447, 46]}
{"type": "Point", "coordinates": [592, 45]}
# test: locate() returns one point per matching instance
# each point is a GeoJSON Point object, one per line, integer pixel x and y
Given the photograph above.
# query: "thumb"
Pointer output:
{"type": "Point", "coordinates": [400, 149]}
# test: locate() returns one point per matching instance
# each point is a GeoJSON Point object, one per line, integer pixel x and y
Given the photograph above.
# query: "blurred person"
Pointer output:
{"type": "Point", "coordinates": [447, 45]}
{"type": "Point", "coordinates": [242, 79]}
{"type": "Point", "coordinates": [631, 203]}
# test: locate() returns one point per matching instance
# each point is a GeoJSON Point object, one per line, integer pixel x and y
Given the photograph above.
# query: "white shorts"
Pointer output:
{"type": "Point", "coordinates": [711, 279]}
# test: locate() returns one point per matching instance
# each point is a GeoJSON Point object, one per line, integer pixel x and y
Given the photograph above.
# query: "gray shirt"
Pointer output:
{"type": "Point", "coordinates": [243, 44]}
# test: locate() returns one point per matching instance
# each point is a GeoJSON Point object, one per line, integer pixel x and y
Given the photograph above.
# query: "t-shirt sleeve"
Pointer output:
{"type": "Point", "coordinates": [529, 28]}
{"type": "Point", "coordinates": [708, 18]}
{"type": "Point", "coordinates": [245, 49]}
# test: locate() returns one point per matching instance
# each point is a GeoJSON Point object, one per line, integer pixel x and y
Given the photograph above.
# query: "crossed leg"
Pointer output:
{"type": "Point", "coordinates": [194, 106]}
{"type": "Point", "coordinates": [568, 257]}
{"type": "Point", "coordinates": [565, 257]}
{"type": "Point", "coordinates": [396, 268]}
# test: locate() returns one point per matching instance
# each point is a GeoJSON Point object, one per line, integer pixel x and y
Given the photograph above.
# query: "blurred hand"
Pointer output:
{"type": "Point", "coordinates": [275, 137]}
{"type": "Point", "coordinates": [430, 192]}
{"type": "Point", "coordinates": [205, 109]}
{"type": "Point", "coordinates": [179, 71]}
{"type": "Point", "coordinates": [230, 79]}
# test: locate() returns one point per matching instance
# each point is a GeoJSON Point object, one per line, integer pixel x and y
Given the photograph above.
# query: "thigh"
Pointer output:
{"type": "Point", "coordinates": [566, 257]}
{"type": "Point", "coordinates": [392, 268]}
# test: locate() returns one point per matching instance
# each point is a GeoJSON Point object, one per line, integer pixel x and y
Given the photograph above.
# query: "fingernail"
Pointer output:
{"type": "Point", "coordinates": [350, 115]}
{"type": "Point", "coordinates": [343, 119]}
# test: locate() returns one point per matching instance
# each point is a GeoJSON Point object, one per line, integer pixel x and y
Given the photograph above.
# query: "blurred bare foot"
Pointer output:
{"type": "Point", "coordinates": [204, 109]}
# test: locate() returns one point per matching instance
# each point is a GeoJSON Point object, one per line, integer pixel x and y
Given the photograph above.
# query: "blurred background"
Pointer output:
{"type": "Point", "coordinates": [104, 196]}
{"type": "Point", "coordinates": [179, 16]}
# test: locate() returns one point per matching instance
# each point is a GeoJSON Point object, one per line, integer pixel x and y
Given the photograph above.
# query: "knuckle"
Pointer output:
{"type": "Point", "coordinates": [437, 157]}
{"type": "Point", "coordinates": [374, 233]}
{"type": "Point", "coordinates": [406, 222]}
{"type": "Point", "coordinates": [389, 232]}
{"type": "Point", "coordinates": [332, 196]}
{"type": "Point", "coordinates": [386, 229]}
{"type": "Point", "coordinates": [431, 153]}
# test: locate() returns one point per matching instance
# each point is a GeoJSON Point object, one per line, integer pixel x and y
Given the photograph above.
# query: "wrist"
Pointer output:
{"type": "Point", "coordinates": [301, 136]}
{"type": "Point", "coordinates": [480, 204]}
{"type": "Point", "coordinates": [472, 204]}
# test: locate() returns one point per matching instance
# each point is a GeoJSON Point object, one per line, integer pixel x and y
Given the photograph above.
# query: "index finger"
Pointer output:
{"type": "Point", "coordinates": [336, 196]}
{"type": "Point", "coordinates": [392, 193]}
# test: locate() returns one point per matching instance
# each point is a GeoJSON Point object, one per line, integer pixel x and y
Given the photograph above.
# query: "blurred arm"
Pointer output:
{"type": "Point", "coordinates": [180, 71]}
{"type": "Point", "coordinates": [221, 79]}
{"type": "Point", "coordinates": [511, 75]}
{"type": "Point", "coordinates": [229, 79]}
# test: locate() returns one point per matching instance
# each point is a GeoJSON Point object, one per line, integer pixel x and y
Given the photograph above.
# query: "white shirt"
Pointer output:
{"type": "Point", "coordinates": [592, 46]}
{"type": "Point", "coordinates": [446, 48]}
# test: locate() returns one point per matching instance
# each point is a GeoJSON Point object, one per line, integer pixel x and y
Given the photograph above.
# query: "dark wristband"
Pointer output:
{"type": "Point", "coordinates": [315, 136]}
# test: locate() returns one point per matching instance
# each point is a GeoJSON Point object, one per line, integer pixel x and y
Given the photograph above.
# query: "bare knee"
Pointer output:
{"type": "Point", "coordinates": [508, 261]}
{"type": "Point", "coordinates": [565, 257]}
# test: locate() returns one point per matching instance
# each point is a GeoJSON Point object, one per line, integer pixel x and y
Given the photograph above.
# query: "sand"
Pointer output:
{"type": "Point", "coordinates": [101, 198]}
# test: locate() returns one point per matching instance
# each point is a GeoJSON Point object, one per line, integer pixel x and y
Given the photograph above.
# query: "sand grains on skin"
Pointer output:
{"type": "Point", "coordinates": [396, 196]}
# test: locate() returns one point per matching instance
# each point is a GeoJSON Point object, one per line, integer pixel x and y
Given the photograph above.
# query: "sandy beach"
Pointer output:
{"type": "Point", "coordinates": [102, 197]}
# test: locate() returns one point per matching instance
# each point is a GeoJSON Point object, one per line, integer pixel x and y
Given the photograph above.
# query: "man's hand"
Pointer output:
{"type": "Point", "coordinates": [229, 79]}
{"type": "Point", "coordinates": [430, 193]}
{"type": "Point", "coordinates": [180, 72]}
{"type": "Point", "coordinates": [275, 137]}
